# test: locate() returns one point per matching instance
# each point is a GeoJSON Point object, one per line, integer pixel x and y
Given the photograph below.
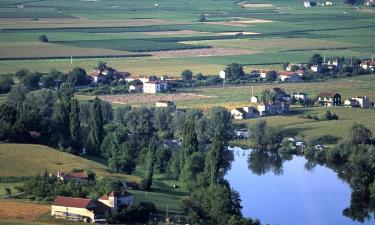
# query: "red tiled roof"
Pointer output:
{"type": "Point", "coordinates": [287, 73]}
{"type": "Point", "coordinates": [327, 94]}
{"type": "Point", "coordinates": [80, 175]}
{"type": "Point", "coordinates": [95, 73]}
{"type": "Point", "coordinates": [72, 202]}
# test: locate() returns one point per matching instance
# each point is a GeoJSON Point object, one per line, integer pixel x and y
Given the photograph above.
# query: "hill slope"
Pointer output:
{"type": "Point", "coordinates": [29, 159]}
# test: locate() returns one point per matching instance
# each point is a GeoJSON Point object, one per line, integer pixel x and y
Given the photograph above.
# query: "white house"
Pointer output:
{"type": "Point", "coordinates": [291, 65]}
{"type": "Point", "coordinates": [329, 99]}
{"type": "Point", "coordinates": [273, 108]}
{"type": "Point", "coordinates": [254, 99]}
{"type": "Point", "coordinates": [136, 88]}
{"type": "Point", "coordinates": [96, 76]}
{"type": "Point", "coordinates": [244, 113]}
{"type": "Point", "coordinates": [164, 104]}
{"type": "Point", "coordinates": [362, 102]}
{"type": "Point", "coordinates": [299, 96]}
{"type": "Point", "coordinates": [316, 68]}
{"type": "Point", "coordinates": [133, 78]}
{"type": "Point", "coordinates": [78, 176]}
{"type": "Point", "coordinates": [90, 211]}
{"type": "Point", "coordinates": [368, 65]}
{"type": "Point", "coordinates": [152, 87]}
{"type": "Point", "coordinates": [287, 76]}
{"type": "Point", "coordinates": [263, 74]}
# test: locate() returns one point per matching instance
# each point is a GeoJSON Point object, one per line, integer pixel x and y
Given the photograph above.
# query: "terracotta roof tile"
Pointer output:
{"type": "Point", "coordinates": [72, 202]}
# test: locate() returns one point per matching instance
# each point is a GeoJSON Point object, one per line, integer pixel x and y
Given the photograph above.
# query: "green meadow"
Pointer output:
{"type": "Point", "coordinates": [277, 32]}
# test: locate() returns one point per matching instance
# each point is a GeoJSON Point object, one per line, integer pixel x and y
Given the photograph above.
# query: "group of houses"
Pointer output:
{"type": "Point", "coordinates": [295, 72]}
{"type": "Point", "coordinates": [284, 76]}
{"type": "Point", "coordinates": [150, 85]}
{"type": "Point", "coordinates": [85, 209]}
{"type": "Point", "coordinates": [280, 104]}
{"type": "Point", "coordinates": [309, 4]}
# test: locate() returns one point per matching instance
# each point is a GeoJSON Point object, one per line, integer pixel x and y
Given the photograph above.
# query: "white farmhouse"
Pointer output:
{"type": "Point", "coordinates": [153, 87]}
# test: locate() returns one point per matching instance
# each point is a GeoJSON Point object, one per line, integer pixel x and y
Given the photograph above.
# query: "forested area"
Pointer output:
{"type": "Point", "coordinates": [188, 146]}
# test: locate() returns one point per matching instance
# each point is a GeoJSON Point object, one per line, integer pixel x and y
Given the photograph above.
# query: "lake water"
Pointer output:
{"type": "Point", "coordinates": [284, 192]}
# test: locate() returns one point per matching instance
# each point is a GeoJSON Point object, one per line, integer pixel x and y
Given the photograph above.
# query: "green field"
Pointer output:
{"type": "Point", "coordinates": [29, 160]}
{"type": "Point", "coordinates": [310, 129]}
{"type": "Point", "coordinates": [281, 31]}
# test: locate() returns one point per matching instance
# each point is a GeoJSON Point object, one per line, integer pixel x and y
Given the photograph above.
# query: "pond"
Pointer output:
{"type": "Point", "coordinates": [289, 191]}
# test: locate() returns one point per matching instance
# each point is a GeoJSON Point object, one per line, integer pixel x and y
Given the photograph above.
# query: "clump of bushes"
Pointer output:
{"type": "Point", "coordinates": [43, 38]}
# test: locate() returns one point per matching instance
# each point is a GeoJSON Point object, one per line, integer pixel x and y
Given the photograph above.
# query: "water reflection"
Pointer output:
{"type": "Point", "coordinates": [286, 189]}
{"type": "Point", "coordinates": [261, 162]}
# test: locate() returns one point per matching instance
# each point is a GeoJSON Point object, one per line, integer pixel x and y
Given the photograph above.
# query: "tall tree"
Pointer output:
{"type": "Point", "coordinates": [267, 97]}
{"type": "Point", "coordinates": [151, 158]}
{"type": "Point", "coordinates": [220, 124]}
{"type": "Point", "coordinates": [189, 141]}
{"type": "Point", "coordinates": [75, 126]}
{"type": "Point", "coordinates": [215, 159]}
{"type": "Point", "coordinates": [61, 111]}
{"type": "Point", "coordinates": [258, 133]}
{"type": "Point", "coordinates": [96, 128]}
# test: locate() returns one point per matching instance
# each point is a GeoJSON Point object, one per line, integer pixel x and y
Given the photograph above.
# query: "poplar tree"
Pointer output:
{"type": "Point", "coordinates": [96, 123]}
{"type": "Point", "coordinates": [214, 159]}
{"type": "Point", "coordinates": [75, 126]}
{"type": "Point", "coordinates": [189, 142]}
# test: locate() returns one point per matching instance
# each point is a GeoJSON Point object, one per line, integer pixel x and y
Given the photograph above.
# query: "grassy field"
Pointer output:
{"type": "Point", "coordinates": [310, 129]}
{"type": "Point", "coordinates": [29, 160]}
{"type": "Point", "coordinates": [281, 31]}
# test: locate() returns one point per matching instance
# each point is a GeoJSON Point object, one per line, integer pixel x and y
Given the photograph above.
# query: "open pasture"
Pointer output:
{"type": "Point", "coordinates": [29, 160]}
{"type": "Point", "coordinates": [135, 99]}
{"type": "Point", "coordinates": [236, 95]}
{"type": "Point", "coordinates": [274, 32]}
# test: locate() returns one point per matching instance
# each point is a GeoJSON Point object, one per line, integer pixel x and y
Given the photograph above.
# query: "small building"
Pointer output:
{"type": "Point", "coordinates": [370, 3]}
{"type": "Point", "coordinates": [96, 76]}
{"type": "Point", "coordinates": [361, 102]}
{"type": "Point", "coordinates": [143, 79]}
{"type": "Point", "coordinates": [316, 68]}
{"type": "Point", "coordinates": [288, 76]}
{"type": "Point", "coordinates": [79, 209]}
{"type": "Point", "coordinates": [255, 73]}
{"type": "Point", "coordinates": [90, 211]}
{"type": "Point", "coordinates": [291, 66]}
{"type": "Point", "coordinates": [368, 65]}
{"type": "Point", "coordinates": [299, 96]}
{"type": "Point", "coordinates": [244, 113]}
{"type": "Point", "coordinates": [273, 108]}
{"type": "Point", "coordinates": [329, 99]}
{"type": "Point", "coordinates": [263, 74]}
{"type": "Point", "coordinates": [117, 199]}
{"type": "Point", "coordinates": [153, 87]}
{"type": "Point", "coordinates": [280, 95]}
{"type": "Point", "coordinates": [77, 176]}
{"type": "Point", "coordinates": [165, 104]}
{"type": "Point", "coordinates": [254, 99]}
{"type": "Point", "coordinates": [136, 88]}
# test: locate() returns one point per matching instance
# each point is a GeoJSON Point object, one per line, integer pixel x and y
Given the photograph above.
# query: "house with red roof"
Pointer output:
{"type": "Point", "coordinates": [74, 176]}
{"type": "Point", "coordinates": [329, 99]}
{"type": "Point", "coordinates": [87, 210]}
{"type": "Point", "coordinates": [289, 76]}
{"type": "Point", "coordinates": [79, 209]}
